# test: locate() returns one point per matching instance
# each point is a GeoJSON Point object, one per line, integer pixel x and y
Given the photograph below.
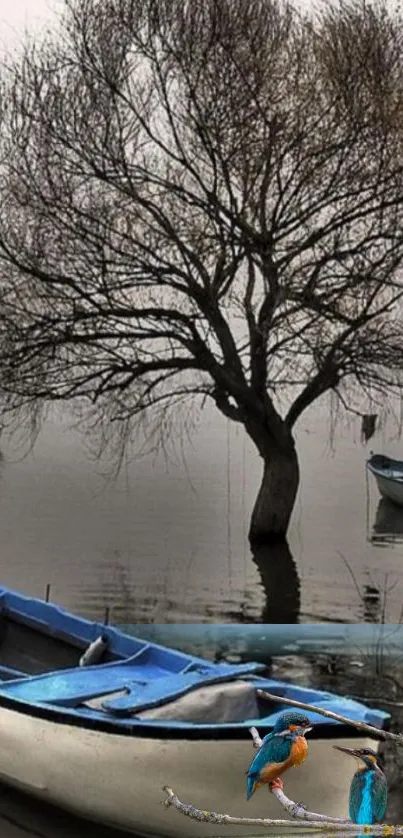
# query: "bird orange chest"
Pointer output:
{"type": "Point", "coordinates": [299, 751]}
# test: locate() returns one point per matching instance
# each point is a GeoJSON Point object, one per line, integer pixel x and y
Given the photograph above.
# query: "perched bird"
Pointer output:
{"type": "Point", "coordinates": [284, 747]}
{"type": "Point", "coordinates": [369, 788]}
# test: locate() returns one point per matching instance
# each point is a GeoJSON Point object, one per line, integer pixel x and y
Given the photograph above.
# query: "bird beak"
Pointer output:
{"type": "Point", "coordinates": [352, 752]}
{"type": "Point", "coordinates": [306, 730]}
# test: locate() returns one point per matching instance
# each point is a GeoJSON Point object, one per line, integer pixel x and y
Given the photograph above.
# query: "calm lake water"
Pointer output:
{"type": "Point", "coordinates": [167, 541]}
{"type": "Point", "coordinates": [361, 676]}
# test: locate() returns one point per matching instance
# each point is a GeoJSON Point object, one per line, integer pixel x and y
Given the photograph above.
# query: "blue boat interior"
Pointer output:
{"type": "Point", "coordinates": [60, 665]}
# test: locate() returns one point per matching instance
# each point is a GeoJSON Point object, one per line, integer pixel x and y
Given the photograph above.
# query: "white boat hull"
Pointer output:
{"type": "Point", "coordinates": [390, 489]}
{"type": "Point", "coordinates": [118, 780]}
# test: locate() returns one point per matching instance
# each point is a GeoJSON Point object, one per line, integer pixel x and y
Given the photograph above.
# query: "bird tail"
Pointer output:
{"type": "Point", "coordinates": [250, 785]}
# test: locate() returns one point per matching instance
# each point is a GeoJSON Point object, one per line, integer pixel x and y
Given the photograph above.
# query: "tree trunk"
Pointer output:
{"type": "Point", "coordinates": [277, 493]}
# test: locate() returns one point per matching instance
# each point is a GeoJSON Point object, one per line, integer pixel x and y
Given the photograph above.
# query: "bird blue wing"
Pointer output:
{"type": "Point", "coordinates": [361, 797]}
{"type": "Point", "coordinates": [368, 797]}
{"type": "Point", "coordinates": [274, 748]}
{"type": "Point", "coordinates": [380, 796]}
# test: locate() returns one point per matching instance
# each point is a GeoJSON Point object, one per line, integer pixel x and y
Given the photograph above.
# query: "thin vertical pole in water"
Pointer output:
{"type": "Point", "coordinates": [107, 614]}
{"type": "Point", "coordinates": [244, 506]}
{"type": "Point", "coordinates": [229, 555]}
{"type": "Point", "coordinates": [47, 592]}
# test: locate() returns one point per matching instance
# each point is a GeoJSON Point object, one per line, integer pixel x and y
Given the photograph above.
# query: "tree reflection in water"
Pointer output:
{"type": "Point", "coordinates": [280, 581]}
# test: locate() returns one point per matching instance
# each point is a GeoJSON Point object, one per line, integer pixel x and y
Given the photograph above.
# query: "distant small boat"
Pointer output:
{"type": "Point", "coordinates": [97, 722]}
{"type": "Point", "coordinates": [388, 474]}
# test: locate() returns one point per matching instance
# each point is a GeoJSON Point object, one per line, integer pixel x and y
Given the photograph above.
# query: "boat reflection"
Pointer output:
{"type": "Point", "coordinates": [388, 525]}
{"type": "Point", "coordinates": [22, 816]}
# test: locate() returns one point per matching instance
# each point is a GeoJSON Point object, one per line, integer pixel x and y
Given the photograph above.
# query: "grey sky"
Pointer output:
{"type": "Point", "coordinates": [17, 15]}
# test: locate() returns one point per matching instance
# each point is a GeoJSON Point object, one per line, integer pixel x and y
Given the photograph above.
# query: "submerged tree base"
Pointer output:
{"type": "Point", "coordinates": [275, 501]}
{"type": "Point", "coordinates": [267, 539]}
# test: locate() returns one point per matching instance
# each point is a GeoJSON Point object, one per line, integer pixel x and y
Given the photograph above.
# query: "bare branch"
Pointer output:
{"type": "Point", "coordinates": [375, 732]}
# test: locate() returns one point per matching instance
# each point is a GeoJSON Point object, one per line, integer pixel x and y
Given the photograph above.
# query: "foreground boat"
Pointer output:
{"type": "Point", "coordinates": [102, 738]}
{"type": "Point", "coordinates": [388, 474]}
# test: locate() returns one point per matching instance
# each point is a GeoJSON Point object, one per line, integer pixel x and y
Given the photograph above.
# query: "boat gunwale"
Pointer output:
{"type": "Point", "coordinates": [155, 729]}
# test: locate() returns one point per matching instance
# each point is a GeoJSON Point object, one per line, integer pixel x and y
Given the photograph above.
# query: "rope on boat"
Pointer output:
{"type": "Point", "coordinates": [94, 651]}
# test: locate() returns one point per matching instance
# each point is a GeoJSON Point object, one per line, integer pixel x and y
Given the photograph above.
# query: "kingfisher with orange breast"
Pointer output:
{"type": "Point", "coordinates": [280, 750]}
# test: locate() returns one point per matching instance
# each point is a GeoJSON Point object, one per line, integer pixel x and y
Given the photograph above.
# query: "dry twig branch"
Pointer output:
{"type": "Point", "coordinates": [375, 732]}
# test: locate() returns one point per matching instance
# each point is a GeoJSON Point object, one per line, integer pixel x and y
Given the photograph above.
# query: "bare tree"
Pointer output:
{"type": "Point", "coordinates": [204, 200]}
